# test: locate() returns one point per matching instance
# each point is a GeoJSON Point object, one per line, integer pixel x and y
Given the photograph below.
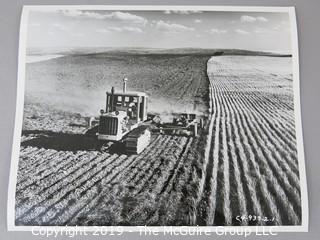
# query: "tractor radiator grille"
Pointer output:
{"type": "Point", "coordinates": [108, 126]}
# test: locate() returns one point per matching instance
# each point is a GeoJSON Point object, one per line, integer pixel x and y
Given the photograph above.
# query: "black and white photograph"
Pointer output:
{"type": "Point", "coordinates": [158, 116]}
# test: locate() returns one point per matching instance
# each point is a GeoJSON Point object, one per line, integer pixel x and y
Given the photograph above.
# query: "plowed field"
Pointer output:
{"type": "Point", "coordinates": [242, 170]}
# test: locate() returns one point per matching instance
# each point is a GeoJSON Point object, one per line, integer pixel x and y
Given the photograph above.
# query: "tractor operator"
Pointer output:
{"type": "Point", "coordinates": [132, 108]}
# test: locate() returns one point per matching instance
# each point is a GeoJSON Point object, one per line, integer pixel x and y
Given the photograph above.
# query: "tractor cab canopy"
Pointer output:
{"type": "Point", "coordinates": [128, 93]}
{"type": "Point", "coordinates": [133, 103]}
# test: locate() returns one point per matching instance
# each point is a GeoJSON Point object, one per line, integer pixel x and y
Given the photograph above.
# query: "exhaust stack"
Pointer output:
{"type": "Point", "coordinates": [112, 100]}
{"type": "Point", "coordinates": [125, 84]}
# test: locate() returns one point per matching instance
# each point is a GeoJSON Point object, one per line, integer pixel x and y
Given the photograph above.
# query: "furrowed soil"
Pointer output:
{"type": "Point", "coordinates": [252, 174]}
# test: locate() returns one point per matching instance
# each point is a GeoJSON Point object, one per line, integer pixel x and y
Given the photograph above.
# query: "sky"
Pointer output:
{"type": "Point", "coordinates": [263, 31]}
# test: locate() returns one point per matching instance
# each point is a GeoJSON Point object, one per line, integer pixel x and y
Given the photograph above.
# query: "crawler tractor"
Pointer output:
{"type": "Point", "coordinates": [125, 119]}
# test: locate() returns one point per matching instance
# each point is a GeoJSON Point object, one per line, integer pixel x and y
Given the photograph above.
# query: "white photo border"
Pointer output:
{"type": "Point", "coordinates": [20, 107]}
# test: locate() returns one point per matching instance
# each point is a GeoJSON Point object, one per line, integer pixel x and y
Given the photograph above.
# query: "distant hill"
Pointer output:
{"type": "Point", "coordinates": [147, 51]}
